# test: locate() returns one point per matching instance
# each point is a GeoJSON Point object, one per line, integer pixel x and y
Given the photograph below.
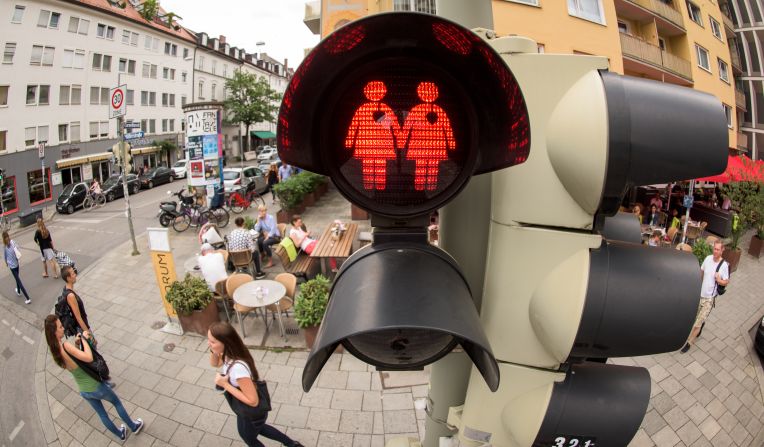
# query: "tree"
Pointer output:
{"type": "Point", "coordinates": [250, 100]}
{"type": "Point", "coordinates": [149, 9]}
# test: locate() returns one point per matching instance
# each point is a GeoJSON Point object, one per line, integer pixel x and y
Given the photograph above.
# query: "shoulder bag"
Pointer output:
{"type": "Point", "coordinates": [258, 413]}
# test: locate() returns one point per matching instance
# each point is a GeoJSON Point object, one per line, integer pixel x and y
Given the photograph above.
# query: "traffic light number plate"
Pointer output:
{"type": "Point", "coordinates": [574, 441]}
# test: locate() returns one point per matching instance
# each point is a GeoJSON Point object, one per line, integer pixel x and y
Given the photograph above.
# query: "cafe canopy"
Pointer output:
{"type": "Point", "coordinates": [739, 168]}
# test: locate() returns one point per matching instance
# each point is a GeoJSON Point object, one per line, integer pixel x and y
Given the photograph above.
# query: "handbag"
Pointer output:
{"type": "Point", "coordinates": [16, 251]}
{"type": "Point", "coordinates": [97, 369]}
{"type": "Point", "coordinates": [258, 413]}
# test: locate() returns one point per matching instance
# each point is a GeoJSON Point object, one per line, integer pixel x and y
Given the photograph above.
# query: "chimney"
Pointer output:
{"type": "Point", "coordinates": [222, 39]}
{"type": "Point", "coordinates": [215, 44]}
{"type": "Point", "coordinates": [286, 65]}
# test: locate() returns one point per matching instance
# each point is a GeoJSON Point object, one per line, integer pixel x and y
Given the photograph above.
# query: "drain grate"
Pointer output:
{"type": "Point", "coordinates": [168, 347]}
{"type": "Point", "coordinates": [291, 330]}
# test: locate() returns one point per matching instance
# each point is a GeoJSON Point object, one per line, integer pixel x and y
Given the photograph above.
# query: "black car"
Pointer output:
{"type": "Point", "coordinates": [156, 176]}
{"type": "Point", "coordinates": [112, 187]}
{"type": "Point", "coordinates": [71, 197]}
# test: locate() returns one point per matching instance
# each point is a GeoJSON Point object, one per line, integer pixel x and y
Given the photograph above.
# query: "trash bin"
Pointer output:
{"type": "Point", "coordinates": [29, 217]}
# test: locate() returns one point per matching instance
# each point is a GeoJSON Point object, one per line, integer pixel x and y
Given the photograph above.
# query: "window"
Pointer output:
{"type": "Point", "coordinates": [4, 95]}
{"type": "Point", "coordinates": [48, 19]}
{"type": "Point", "coordinates": [427, 6]}
{"type": "Point", "coordinates": [105, 31]}
{"type": "Point", "coordinates": [183, 77]}
{"type": "Point", "coordinates": [10, 51]}
{"type": "Point", "coordinates": [702, 58]}
{"type": "Point", "coordinates": [149, 126]}
{"type": "Point", "coordinates": [78, 25]}
{"type": "Point", "coordinates": [149, 70]}
{"type": "Point", "coordinates": [39, 186]}
{"type": "Point", "coordinates": [63, 133]}
{"type": "Point", "coordinates": [42, 55]}
{"type": "Point", "coordinates": [185, 53]}
{"type": "Point", "coordinates": [212, 91]}
{"type": "Point", "coordinates": [172, 125]}
{"type": "Point", "coordinates": [183, 100]}
{"type": "Point", "coordinates": [623, 27]}
{"type": "Point", "coordinates": [70, 95]}
{"type": "Point", "coordinates": [201, 63]}
{"type": "Point", "coordinates": [99, 96]}
{"type": "Point", "coordinates": [38, 95]}
{"type": "Point", "coordinates": [101, 62]}
{"type": "Point", "coordinates": [99, 129]}
{"type": "Point", "coordinates": [74, 59]}
{"type": "Point", "coordinates": [164, 125]}
{"type": "Point", "coordinates": [127, 66]}
{"type": "Point", "coordinates": [151, 43]}
{"type": "Point", "coordinates": [3, 146]}
{"type": "Point", "coordinates": [18, 14]}
{"type": "Point", "coordinates": [715, 28]}
{"type": "Point", "coordinates": [170, 49]}
{"type": "Point", "coordinates": [201, 89]}
{"type": "Point", "coordinates": [728, 114]}
{"type": "Point", "coordinates": [148, 98]}
{"type": "Point", "coordinates": [225, 70]}
{"type": "Point", "coordinates": [129, 38]}
{"type": "Point", "coordinates": [32, 135]}
{"type": "Point", "coordinates": [214, 66]}
{"type": "Point", "coordinates": [74, 131]}
{"type": "Point", "coordinates": [145, 125]}
{"type": "Point", "coordinates": [130, 97]}
{"type": "Point", "coordinates": [723, 71]}
{"type": "Point", "coordinates": [104, 129]}
{"type": "Point", "coordinates": [694, 11]}
{"type": "Point", "coordinates": [587, 9]}
{"type": "Point", "coordinates": [168, 73]}
{"type": "Point", "coordinates": [662, 43]}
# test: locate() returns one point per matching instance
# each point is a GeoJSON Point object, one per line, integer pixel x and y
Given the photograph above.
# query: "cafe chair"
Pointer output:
{"type": "Point", "coordinates": [693, 232]}
{"type": "Point", "coordinates": [225, 255]}
{"type": "Point", "coordinates": [287, 302]}
{"type": "Point", "coordinates": [662, 218]}
{"type": "Point", "coordinates": [221, 295]}
{"type": "Point", "coordinates": [232, 283]}
{"type": "Point", "coordinates": [670, 237]}
{"type": "Point", "coordinates": [241, 260]}
{"type": "Point", "coordinates": [684, 247]}
{"type": "Point", "coordinates": [282, 229]}
{"type": "Point", "coordinates": [711, 239]}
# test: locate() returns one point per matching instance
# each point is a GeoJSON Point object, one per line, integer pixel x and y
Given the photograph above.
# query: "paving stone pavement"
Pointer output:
{"type": "Point", "coordinates": [711, 396]}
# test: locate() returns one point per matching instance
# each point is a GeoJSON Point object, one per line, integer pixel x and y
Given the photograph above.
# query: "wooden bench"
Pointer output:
{"type": "Point", "coordinates": [303, 266]}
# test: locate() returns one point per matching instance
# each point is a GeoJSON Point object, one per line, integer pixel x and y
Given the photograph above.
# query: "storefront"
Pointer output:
{"type": "Point", "coordinates": [146, 157]}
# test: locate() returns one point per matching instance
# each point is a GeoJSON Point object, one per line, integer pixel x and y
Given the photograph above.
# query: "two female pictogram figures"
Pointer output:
{"type": "Point", "coordinates": [375, 135]}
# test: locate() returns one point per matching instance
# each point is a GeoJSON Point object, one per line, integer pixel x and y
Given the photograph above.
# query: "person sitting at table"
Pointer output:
{"type": "Point", "coordinates": [212, 266]}
{"type": "Point", "coordinates": [675, 223]}
{"type": "Point", "coordinates": [655, 239]}
{"type": "Point", "coordinates": [269, 233]}
{"type": "Point", "coordinates": [300, 237]}
{"type": "Point", "coordinates": [657, 201]}
{"type": "Point", "coordinates": [653, 217]}
{"type": "Point", "coordinates": [240, 239]}
{"type": "Point", "coordinates": [637, 210]}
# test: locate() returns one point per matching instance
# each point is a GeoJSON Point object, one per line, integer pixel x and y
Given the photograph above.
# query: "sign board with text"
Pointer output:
{"type": "Point", "coordinates": [118, 103]}
{"type": "Point", "coordinates": [202, 122]}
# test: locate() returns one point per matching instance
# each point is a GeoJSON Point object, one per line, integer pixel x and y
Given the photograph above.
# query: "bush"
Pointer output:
{"type": "Point", "coordinates": [310, 305]}
{"type": "Point", "coordinates": [701, 249]}
{"type": "Point", "coordinates": [249, 223]}
{"type": "Point", "coordinates": [189, 295]}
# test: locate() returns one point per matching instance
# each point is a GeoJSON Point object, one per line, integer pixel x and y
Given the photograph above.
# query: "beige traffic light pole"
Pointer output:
{"type": "Point", "coordinates": [124, 148]}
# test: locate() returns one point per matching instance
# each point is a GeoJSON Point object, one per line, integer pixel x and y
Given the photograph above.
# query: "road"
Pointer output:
{"type": "Point", "coordinates": [86, 236]}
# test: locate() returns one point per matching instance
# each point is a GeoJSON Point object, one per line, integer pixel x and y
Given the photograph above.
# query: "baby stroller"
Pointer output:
{"type": "Point", "coordinates": [63, 260]}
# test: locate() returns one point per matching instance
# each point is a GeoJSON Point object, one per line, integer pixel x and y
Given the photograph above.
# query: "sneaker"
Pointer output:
{"type": "Point", "coordinates": [139, 423]}
{"type": "Point", "coordinates": [685, 348]}
{"type": "Point", "coordinates": [18, 292]}
{"type": "Point", "coordinates": [122, 432]}
{"type": "Point", "coordinates": [260, 275]}
{"type": "Point", "coordinates": [27, 301]}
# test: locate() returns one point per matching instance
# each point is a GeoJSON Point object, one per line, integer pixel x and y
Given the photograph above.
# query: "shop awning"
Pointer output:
{"type": "Point", "coordinates": [81, 160]}
{"type": "Point", "coordinates": [739, 168]}
{"type": "Point", "coordinates": [262, 134]}
{"type": "Point", "coordinates": [144, 150]}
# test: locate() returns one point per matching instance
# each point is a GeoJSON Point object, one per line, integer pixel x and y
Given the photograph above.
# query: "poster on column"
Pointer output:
{"type": "Point", "coordinates": [195, 148]}
{"type": "Point", "coordinates": [202, 122]}
{"type": "Point", "coordinates": [196, 169]}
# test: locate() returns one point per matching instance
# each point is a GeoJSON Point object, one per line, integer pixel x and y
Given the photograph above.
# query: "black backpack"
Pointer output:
{"type": "Point", "coordinates": [65, 315]}
{"type": "Point", "coordinates": [720, 289]}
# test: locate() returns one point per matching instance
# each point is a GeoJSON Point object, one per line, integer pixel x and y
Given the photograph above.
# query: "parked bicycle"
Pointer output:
{"type": "Point", "coordinates": [239, 200]}
{"type": "Point", "coordinates": [93, 199]}
{"type": "Point", "coordinates": [192, 215]}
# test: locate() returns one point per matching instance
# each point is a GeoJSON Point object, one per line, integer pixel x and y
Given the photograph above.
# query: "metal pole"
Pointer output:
{"type": "Point", "coordinates": [123, 147]}
{"type": "Point", "coordinates": [687, 213]}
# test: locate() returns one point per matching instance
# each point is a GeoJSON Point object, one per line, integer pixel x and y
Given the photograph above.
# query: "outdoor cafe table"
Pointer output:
{"type": "Point", "coordinates": [327, 247]}
{"type": "Point", "coordinates": [192, 265]}
{"type": "Point", "coordinates": [246, 295]}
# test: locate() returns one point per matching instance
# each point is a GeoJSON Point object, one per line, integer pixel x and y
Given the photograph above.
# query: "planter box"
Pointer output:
{"type": "Point", "coordinates": [756, 246]}
{"type": "Point", "coordinates": [309, 199]}
{"type": "Point", "coordinates": [733, 257]}
{"type": "Point", "coordinates": [321, 189]}
{"type": "Point", "coordinates": [357, 213]}
{"type": "Point", "coordinates": [199, 321]}
{"type": "Point", "coordinates": [283, 216]}
{"type": "Point", "coordinates": [310, 335]}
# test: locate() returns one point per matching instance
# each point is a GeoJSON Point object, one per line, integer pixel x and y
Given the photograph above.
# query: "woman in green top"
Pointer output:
{"type": "Point", "coordinates": [91, 390]}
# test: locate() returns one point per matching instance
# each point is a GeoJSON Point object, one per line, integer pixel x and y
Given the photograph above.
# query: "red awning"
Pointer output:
{"type": "Point", "coordinates": [739, 168]}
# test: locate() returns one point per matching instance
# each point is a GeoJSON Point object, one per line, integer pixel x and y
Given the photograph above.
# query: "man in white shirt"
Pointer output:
{"type": "Point", "coordinates": [715, 272]}
{"type": "Point", "coordinates": [212, 265]}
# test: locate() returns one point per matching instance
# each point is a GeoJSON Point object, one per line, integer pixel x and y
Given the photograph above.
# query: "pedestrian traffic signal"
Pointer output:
{"type": "Point", "coordinates": [400, 121]}
{"type": "Point", "coordinates": [127, 157]}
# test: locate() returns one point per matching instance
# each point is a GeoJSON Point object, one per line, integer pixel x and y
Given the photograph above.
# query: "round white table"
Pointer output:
{"type": "Point", "coordinates": [272, 292]}
{"type": "Point", "coordinates": [192, 265]}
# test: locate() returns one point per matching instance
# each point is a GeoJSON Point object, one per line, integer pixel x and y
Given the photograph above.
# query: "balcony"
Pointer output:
{"type": "Point", "coordinates": [313, 16]}
{"type": "Point", "coordinates": [728, 23]}
{"type": "Point", "coordinates": [735, 59]}
{"type": "Point", "coordinates": [670, 22]}
{"type": "Point", "coordinates": [649, 60]}
{"type": "Point", "coordinates": [740, 100]}
{"type": "Point", "coordinates": [742, 142]}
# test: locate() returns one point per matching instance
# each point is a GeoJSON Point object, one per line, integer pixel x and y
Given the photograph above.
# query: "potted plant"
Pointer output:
{"type": "Point", "coordinates": [757, 241]}
{"type": "Point", "coordinates": [290, 198]}
{"type": "Point", "coordinates": [701, 249]}
{"type": "Point", "coordinates": [192, 300]}
{"type": "Point", "coordinates": [310, 306]}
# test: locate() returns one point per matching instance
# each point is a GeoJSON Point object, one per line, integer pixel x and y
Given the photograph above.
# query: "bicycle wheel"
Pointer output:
{"type": "Point", "coordinates": [219, 217]}
{"type": "Point", "coordinates": [100, 200]}
{"type": "Point", "coordinates": [235, 202]}
{"type": "Point", "coordinates": [256, 200]}
{"type": "Point", "coordinates": [181, 223]}
{"type": "Point", "coordinates": [88, 203]}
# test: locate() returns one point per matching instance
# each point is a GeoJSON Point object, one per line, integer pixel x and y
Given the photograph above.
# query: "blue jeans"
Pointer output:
{"type": "Point", "coordinates": [104, 392]}
{"type": "Point", "coordinates": [19, 285]}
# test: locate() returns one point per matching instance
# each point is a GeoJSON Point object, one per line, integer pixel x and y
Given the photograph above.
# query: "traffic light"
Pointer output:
{"type": "Point", "coordinates": [127, 158]}
{"type": "Point", "coordinates": [400, 122]}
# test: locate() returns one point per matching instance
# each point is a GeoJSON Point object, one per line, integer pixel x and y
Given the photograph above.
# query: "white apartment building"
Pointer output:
{"type": "Point", "coordinates": [60, 59]}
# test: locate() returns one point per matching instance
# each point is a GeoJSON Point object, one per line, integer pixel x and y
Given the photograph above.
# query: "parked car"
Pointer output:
{"type": "Point", "coordinates": [179, 169]}
{"type": "Point", "coordinates": [234, 178]}
{"type": "Point", "coordinates": [156, 176]}
{"type": "Point", "coordinates": [268, 153]}
{"type": "Point", "coordinates": [71, 197]}
{"type": "Point", "coordinates": [113, 189]}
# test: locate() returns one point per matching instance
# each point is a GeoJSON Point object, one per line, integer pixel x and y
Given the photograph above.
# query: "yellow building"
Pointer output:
{"type": "Point", "coordinates": [683, 42]}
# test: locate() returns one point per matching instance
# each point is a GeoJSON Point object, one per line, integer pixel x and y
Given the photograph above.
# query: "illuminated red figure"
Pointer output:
{"type": "Point", "coordinates": [430, 136]}
{"type": "Point", "coordinates": [371, 136]}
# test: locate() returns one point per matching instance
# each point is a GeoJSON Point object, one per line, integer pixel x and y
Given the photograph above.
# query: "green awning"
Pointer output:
{"type": "Point", "coordinates": [262, 134]}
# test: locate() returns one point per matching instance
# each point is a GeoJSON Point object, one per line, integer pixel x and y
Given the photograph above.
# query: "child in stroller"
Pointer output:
{"type": "Point", "coordinates": [63, 259]}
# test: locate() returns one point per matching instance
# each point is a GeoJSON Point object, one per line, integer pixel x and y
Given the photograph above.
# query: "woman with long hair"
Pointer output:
{"type": "Point", "coordinates": [227, 351]}
{"type": "Point", "coordinates": [69, 275]}
{"type": "Point", "coordinates": [12, 261]}
{"type": "Point", "coordinates": [272, 178]}
{"type": "Point", "coordinates": [93, 391]}
{"type": "Point", "coordinates": [43, 239]}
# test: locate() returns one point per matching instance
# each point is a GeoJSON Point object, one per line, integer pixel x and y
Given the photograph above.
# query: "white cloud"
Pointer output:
{"type": "Point", "coordinates": [245, 22]}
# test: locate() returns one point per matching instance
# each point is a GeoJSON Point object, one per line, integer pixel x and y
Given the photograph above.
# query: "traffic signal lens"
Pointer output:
{"type": "Point", "coordinates": [400, 347]}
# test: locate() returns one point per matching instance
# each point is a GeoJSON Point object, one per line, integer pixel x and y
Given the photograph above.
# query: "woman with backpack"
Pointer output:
{"type": "Point", "coordinates": [69, 357]}
{"type": "Point", "coordinates": [239, 383]}
{"type": "Point", "coordinates": [12, 254]}
{"type": "Point", "coordinates": [43, 239]}
{"type": "Point", "coordinates": [81, 323]}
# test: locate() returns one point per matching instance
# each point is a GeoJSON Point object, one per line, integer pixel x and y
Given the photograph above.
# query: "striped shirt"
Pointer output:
{"type": "Point", "coordinates": [10, 255]}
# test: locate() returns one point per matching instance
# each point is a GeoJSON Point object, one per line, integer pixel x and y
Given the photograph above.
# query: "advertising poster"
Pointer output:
{"type": "Point", "coordinates": [87, 171]}
{"type": "Point", "coordinates": [196, 173]}
{"type": "Point", "coordinates": [210, 147]}
{"type": "Point", "coordinates": [195, 149]}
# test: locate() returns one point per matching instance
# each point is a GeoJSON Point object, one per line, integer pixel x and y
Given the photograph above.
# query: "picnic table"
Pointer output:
{"type": "Point", "coordinates": [327, 247]}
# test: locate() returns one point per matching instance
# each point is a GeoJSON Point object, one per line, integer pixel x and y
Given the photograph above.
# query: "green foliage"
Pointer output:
{"type": "Point", "coordinates": [149, 9]}
{"type": "Point", "coordinates": [701, 249]}
{"type": "Point", "coordinates": [291, 192]}
{"type": "Point", "coordinates": [747, 199]}
{"type": "Point", "coordinates": [310, 304]}
{"type": "Point", "coordinates": [250, 100]}
{"type": "Point", "coordinates": [249, 223]}
{"type": "Point", "coordinates": [189, 295]}
{"type": "Point", "coordinates": [166, 147]}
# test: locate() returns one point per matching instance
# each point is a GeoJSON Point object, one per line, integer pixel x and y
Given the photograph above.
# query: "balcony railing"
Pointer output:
{"type": "Point", "coordinates": [728, 21]}
{"type": "Point", "coordinates": [735, 59]}
{"type": "Point", "coordinates": [637, 48]}
{"type": "Point", "coordinates": [742, 141]}
{"type": "Point", "coordinates": [740, 100]}
{"type": "Point", "coordinates": [663, 10]}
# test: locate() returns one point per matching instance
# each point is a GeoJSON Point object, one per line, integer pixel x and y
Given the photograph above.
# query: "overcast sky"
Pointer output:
{"type": "Point", "coordinates": [278, 23]}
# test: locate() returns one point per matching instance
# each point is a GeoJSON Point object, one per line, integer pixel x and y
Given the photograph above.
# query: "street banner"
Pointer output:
{"type": "Point", "coordinates": [164, 264]}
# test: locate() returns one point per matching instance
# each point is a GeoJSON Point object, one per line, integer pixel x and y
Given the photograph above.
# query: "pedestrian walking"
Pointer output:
{"type": "Point", "coordinates": [45, 242]}
{"type": "Point", "coordinates": [237, 379]}
{"type": "Point", "coordinates": [273, 179]}
{"type": "Point", "coordinates": [69, 356]}
{"type": "Point", "coordinates": [69, 275]}
{"type": "Point", "coordinates": [12, 254]}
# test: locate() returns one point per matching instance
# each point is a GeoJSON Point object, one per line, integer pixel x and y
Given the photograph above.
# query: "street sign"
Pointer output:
{"type": "Point", "coordinates": [118, 103]}
{"type": "Point", "coordinates": [133, 135]}
{"type": "Point", "coordinates": [41, 149]}
{"type": "Point", "coordinates": [132, 125]}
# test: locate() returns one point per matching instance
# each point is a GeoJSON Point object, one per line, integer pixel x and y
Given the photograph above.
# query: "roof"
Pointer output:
{"type": "Point", "coordinates": [131, 14]}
